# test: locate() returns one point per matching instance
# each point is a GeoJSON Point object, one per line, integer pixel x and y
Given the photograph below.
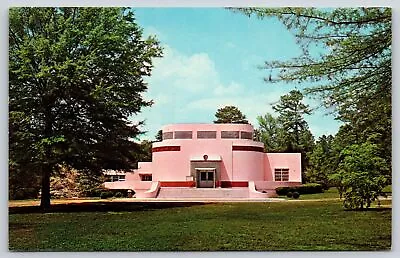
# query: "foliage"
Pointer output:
{"type": "Point", "coordinates": [159, 137]}
{"type": "Point", "coordinates": [106, 194]}
{"type": "Point", "coordinates": [145, 153]}
{"type": "Point", "coordinates": [22, 185]}
{"type": "Point", "coordinates": [352, 73]}
{"type": "Point", "coordinates": [288, 132]}
{"type": "Point", "coordinates": [356, 65]}
{"type": "Point", "coordinates": [65, 183]}
{"type": "Point", "coordinates": [323, 161]}
{"type": "Point", "coordinates": [271, 133]}
{"type": "Point", "coordinates": [212, 227]}
{"type": "Point", "coordinates": [310, 188]}
{"type": "Point", "coordinates": [230, 115]}
{"type": "Point", "coordinates": [90, 184]}
{"type": "Point", "coordinates": [289, 195]}
{"type": "Point", "coordinates": [119, 195]}
{"type": "Point", "coordinates": [291, 112]}
{"type": "Point", "coordinates": [75, 77]}
{"type": "Point", "coordinates": [296, 195]}
{"type": "Point", "coordinates": [362, 175]}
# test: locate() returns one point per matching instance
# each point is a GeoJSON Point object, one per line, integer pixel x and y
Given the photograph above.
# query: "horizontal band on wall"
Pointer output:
{"type": "Point", "coordinates": [247, 148]}
{"type": "Point", "coordinates": [234, 184]}
{"type": "Point", "coordinates": [166, 148]}
{"type": "Point", "coordinates": [193, 184]}
{"type": "Point", "coordinates": [178, 184]}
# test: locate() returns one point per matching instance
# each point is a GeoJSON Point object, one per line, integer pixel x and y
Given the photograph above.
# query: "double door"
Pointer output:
{"type": "Point", "coordinates": [205, 177]}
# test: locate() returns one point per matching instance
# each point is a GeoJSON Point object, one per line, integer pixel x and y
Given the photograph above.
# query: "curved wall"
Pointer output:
{"type": "Point", "coordinates": [171, 164]}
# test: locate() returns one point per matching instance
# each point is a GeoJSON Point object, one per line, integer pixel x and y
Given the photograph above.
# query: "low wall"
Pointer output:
{"type": "Point", "coordinates": [253, 193]}
{"type": "Point", "coordinates": [151, 193]}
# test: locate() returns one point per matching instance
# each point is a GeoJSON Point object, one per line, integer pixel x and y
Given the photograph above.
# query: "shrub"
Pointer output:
{"type": "Point", "coordinates": [118, 195]}
{"type": "Point", "coordinates": [296, 195]}
{"type": "Point", "coordinates": [311, 188]}
{"type": "Point", "coordinates": [94, 192]}
{"type": "Point", "coordinates": [106, 194]}
{"type": "Point", "coordinates": [289, 194]}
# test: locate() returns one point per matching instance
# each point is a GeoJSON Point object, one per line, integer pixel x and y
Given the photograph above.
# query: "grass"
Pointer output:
{"type": "Point", "coordinates": [295, 225]}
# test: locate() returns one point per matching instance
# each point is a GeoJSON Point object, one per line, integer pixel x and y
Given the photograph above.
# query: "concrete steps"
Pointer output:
{"type": "Point", "coordinates": [185, 192]}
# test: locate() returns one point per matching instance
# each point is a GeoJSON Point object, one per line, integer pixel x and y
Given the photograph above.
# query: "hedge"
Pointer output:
{"type": "Point", "coordinates": [311, 188]}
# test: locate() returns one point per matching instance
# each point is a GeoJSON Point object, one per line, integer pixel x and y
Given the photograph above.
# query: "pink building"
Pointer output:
{"type": "Point", "coordinates": [211, 160]}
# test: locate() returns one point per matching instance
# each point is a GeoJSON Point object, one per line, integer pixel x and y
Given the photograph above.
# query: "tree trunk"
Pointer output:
{"type": "Point", "coordinates": [45, 197]}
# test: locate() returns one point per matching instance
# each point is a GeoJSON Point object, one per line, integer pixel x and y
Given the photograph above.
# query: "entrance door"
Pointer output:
{"type": "Point", "coordinates": [205, 177]}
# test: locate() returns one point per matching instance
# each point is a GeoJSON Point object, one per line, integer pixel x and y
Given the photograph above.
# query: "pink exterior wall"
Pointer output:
{"type": "Point", "coordinates": [248, 165]}
{"type": "Point", "coordinates": [292, 161]}
{"type": "Point", "coordinates": [236, 165]}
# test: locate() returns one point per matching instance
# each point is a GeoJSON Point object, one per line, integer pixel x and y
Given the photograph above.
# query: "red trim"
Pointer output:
{"type": "Point", "coordinates": [247, 148]}
{"type": "Point", "coordinates": [223, 184]}
{"type": "Point", "coordinates": [178, 184]}
{"type": "Point", "coordinates": [166, 148]}
{"type": "Point", "coordinates": [234, 184]}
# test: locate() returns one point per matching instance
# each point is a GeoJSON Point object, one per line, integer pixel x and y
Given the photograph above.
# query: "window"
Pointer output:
{"type": "Point", "coordinates": [230, 134]}
{"type": "Point", "coordinates": [147, 178]}
{"type": "Point", "coordinates": [121, 178]}
{"type": "Point", "coordinates": [246, 135]}
{"type": "Point", "coordinates": [167, 135]}
{"type": "Point", "coordinates": [206, 134]}
{"type": "Point", "coordinates": [281, 174]}
{"type": "Point", "coordinates": [183, 135]}
{"type": "Point", "coordinates": [114, 178]}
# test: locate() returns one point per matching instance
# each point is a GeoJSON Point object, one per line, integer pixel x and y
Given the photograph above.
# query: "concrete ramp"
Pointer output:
{"type": "Point", "coordinates": [203, 193]}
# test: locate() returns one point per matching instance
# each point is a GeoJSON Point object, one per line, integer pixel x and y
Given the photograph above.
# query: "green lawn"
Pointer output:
{"type": "Point", "coordinates": [294, 225]}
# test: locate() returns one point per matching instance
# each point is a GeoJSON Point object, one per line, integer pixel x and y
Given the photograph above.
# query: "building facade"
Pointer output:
{"type": "Point", "coordinates": [217, 156]}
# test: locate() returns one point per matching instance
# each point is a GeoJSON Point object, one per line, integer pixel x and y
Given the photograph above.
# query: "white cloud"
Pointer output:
{"type": "Point", "coordinates": [188, 89]}
{"type": "Point", "coordinates": [192, 73]}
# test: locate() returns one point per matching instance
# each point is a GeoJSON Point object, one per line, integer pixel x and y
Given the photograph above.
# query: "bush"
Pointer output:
{"type": "Point", "coordinates": [94, 192]}
{"type": "Point", "coordinates": [118, 195]}
{"type": "Point", "coordinates": [296, 195]}
{"type": "Point", "coordinates": [23, 193]}
{"type": "Point", "coordinates": [106, 194]}
{"type": "Point", "coordinates": [289, 194]}
{"type": "Point", "coordinates": [311, 188]}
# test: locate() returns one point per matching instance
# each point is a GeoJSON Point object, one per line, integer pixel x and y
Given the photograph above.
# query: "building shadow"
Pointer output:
{"type": "Point", "coordinates": [102, 207]}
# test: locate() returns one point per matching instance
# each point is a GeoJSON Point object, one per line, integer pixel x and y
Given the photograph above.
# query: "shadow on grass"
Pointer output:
{"type": "Point", "coordinates": [102, 207]}
{"type": "Point", "coordinates": [375, 209]}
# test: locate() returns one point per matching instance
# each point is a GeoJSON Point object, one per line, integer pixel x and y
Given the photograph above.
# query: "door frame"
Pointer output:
{"type": "Point", "coordinates": [205, 170]}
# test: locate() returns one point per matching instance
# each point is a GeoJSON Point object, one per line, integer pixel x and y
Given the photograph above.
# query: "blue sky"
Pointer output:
{"type": "Point", "coordinates": [211, 59]}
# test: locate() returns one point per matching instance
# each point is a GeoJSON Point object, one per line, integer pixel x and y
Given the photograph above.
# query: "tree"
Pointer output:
{"type": "Point", "coordinates": [291, 112]}
{"type": "Point", "coordinates": [230, 115]}
{"type": "Point", "coordinates": [361, 173]}
{"type": "Point", "coordinates": [75, 76]}
{"type": "Point", "coordinates": [323, 161]}
{"type": "Point", "coordinates": [357, 62]}
{"type": "Point", "coordinates": [296, 136]}
{"type": "Point", "coordinates": [352, 73]}
{"type": "Point", "coordinates": [159, 136]}
{"type": "Point", "coordinates": [271, 133]}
